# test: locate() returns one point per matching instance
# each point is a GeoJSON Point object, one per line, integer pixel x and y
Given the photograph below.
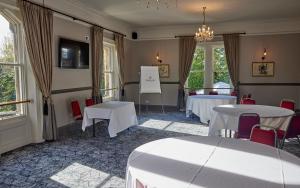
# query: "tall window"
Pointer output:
{"type": "Point", "coordinates": [109, 81]}
{"type": "Point", "coordinates": [11, 67]}
{"type": "Point", "coordinates": [209, 69]}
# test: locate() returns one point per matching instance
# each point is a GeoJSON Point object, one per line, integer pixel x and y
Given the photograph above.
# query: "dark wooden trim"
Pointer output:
{"type": "Point", "coordinates": [269, 84]}
{"type": "Point", "coordinates": [219, 34]}
{"type": "Point", "coordinates": [70, 90]}
{"type": "Point", "coordinates": [74, 18]}
{"type": "Point", "coordinates": [14, 102]}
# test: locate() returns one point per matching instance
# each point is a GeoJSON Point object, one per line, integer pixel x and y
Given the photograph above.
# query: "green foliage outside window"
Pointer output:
{"type": "Point", "coordinates": [220, 66]}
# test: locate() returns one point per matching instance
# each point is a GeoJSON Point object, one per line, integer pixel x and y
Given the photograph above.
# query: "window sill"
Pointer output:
{"type": "Point", "coordinates": [12, 122]}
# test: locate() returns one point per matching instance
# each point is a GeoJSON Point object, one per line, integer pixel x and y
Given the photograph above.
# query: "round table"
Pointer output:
{"type": "Point", "coordinates": [227, 117]}
{"type": "Point", "coordinates": [214, 162]}
{"type": "Point", "coordinates": [202, 105]}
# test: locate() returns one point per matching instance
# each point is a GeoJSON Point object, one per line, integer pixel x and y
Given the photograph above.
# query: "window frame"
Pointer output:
{"type": "Point", "coordinates": [114, 71]}
{"type": "Point", "coordinates": [20, 62]}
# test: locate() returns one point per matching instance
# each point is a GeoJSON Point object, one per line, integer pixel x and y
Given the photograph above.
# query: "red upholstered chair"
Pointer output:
{"type": "Point", "coordinates": [89, 102]}
{"type": "Point", "coordinates": [288, 104]}
{"type": "Point", "coordinates": [191, 93]}
{"type": "Point", "coordinates": [246, 122]}
{"type": "Point", "coordinates": [76, 110]}
{"type": "Point", "coordinates": [213, 93]}
{"type": "Point", "coordinates": [233, 93]}
{"type": "Point", "coordinates": [263, 136]}
{"type": "Point", "coordinates": [139, 184]}
{"type": "Point", "coordinates": [293, 131]}
{"type": "Point", "coordinates": [248, 101]}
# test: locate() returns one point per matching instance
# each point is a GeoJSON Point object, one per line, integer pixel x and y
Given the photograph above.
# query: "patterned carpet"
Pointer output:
{"type": "Point", "coordinates": [79, 160]}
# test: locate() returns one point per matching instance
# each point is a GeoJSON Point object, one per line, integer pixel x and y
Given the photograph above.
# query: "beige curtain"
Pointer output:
{"type": "Point", "coordinates": [119, 40]}
{"type": "Point", "coordinates": [38, 27]}
{"type": "Point", "coordinates": [231, 44]}
{"type": "Point", "coordinates": [97, 61]}
{"type": "Point", "coordinates": [187, 46]}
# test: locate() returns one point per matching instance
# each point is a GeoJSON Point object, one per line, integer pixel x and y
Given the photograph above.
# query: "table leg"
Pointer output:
{"type": "Point", "coordinates": [94, 130]}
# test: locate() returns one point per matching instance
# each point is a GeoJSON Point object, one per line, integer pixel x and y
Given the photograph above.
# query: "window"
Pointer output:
{"type": "Point", "coordinates": [209, 69]}
{"type": "Point", "coordinates": [11, 67]}
{"type": "Point", "coordinates": [109, 81]}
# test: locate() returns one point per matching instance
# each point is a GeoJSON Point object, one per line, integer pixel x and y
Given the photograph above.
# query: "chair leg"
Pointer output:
{"type": "Point", "coordinates": [282, 143]}
{"type": "Point", "coordinates": [94, 128]}
{"type": "Point", "coordinates": [298, 139]}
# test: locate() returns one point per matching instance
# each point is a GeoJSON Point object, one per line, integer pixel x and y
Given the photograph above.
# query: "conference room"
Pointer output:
{"type": "Point", "coordinates": [150, 93]}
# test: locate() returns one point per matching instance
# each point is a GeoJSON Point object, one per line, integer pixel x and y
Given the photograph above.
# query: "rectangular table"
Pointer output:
{"type": "Point", "coordinates": [121, 115]}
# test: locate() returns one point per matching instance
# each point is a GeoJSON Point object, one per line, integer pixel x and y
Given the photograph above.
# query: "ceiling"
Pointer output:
{"type": "Point", "coordinates": [190, 11]}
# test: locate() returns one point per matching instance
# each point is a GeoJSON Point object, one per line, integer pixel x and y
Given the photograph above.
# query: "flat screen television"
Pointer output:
{"type": "Point", "coordinates": [73, 54]}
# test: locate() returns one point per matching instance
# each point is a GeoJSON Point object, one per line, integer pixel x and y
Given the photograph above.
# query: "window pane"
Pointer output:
{"type": "Point", "coordinates": [221, 74]}
{"type": "Point", "coordinates": [107, 61]}
{"type": "Point", "coordinates": [196, 77]}
{"type": "Point", "coordinates": [7, 54]}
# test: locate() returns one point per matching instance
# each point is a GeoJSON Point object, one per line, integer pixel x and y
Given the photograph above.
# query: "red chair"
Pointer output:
{"type": "Point", "coordinates": [263, 136]}
{"type": "Point", "coordinates": [191, 93]}
{"type": "Point", "coordinates": [233, 93]}
{"type": "Point", "coordinates": [246, 122]}
{"type": "Point", "coordinates": [213, 93]}
{"type": "Point", "coordinates": [293, 131]}
{"type": "Point", "coordinates": [288, 104]}
{"type": "Point", "coordinates": [89, 102]}
{"type": "Point", "coordinates": [76, 110]}
{"type": "Point", "coordinates": [248, 101]}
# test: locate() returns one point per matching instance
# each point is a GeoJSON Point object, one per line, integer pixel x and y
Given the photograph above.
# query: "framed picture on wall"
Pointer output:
{"type": "Point", "coordinates": [164, 70]}
{"type": "Point", "coordinates": [263, 69]}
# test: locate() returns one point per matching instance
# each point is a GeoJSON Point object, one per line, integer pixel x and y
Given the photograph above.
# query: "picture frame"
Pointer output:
{"type": "Point", "coordinates": [263, 69]}
{"type": "Point", "coordinates": [164, 70]}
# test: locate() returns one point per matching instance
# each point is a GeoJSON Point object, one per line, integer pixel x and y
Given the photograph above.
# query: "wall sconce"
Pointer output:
{"type": "Point", "coordinates": [158, 58]}
{"type": "Point", "coordinates": [264, 54]}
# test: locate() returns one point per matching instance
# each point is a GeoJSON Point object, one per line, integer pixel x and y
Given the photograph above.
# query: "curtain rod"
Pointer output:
{"type": "Point", "coordinates": [73, 17]}
{"type": "Point", "coordinates": [219, 34]}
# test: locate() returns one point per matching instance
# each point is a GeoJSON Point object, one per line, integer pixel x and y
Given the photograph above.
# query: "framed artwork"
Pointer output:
{"type": "Point", "coordinates": [164, 70]}
{"type": "Point", "coordinates": [262, 69]}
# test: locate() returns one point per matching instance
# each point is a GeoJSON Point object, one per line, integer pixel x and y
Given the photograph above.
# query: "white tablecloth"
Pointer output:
{"type": "Point", "coordinates": [122, 115]}
{"type": "Point", "coordinates": [227, 116]}
{"type": "Point", "coordinates": [202, 105]}
{"type": "Point", "coordinates": [211, 162]}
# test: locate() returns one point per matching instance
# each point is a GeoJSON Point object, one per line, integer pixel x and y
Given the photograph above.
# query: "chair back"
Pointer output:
{"type": "Point", "coordinates": [234, 93]}
{"type": "Point", "coordinates": [248, 101]}
{"type": "Point", "coordinates": [294, 128]}
{"type": "Point", "coordinates": [89, 102]}
{"type": "Point", "coordinates": [263, 136]}
{"type": "Point", "coordinates": [246, 122]}
{"type": "Point", "coordinates": [288, 104]}
{"type": "Point", "coordinates": [213, 93]}
{"type": "Point", "coordinates": [191, 93]}
{"type": "Point", "coordinates": [76, 110]}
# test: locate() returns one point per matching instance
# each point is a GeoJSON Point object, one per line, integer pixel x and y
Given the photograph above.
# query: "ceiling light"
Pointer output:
{"type": "Point", "coordinates": [204, 32]}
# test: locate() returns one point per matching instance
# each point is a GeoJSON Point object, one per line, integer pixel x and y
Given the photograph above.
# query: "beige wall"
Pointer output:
{"type": "Point", "coordinates": [284, 51]}
{"type": "Point", "coordinates": [143, 53]}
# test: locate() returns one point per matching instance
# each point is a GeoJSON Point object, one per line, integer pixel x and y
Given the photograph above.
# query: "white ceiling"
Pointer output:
{"type": "Point", "coordinates": [190, 11]}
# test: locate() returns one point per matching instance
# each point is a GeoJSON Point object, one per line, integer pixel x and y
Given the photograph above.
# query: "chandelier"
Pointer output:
{"type": "Point", "coordinates": [204, 33]}
{"type": "Point", "coordinates": [158, 3]}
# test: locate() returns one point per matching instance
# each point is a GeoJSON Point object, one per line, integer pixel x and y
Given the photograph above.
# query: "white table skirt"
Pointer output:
{"type": "Point", "coordinates": [211, 162]}
{"type": "Point", "coordinates": [227, 117]}
{"type": "Point", "coordinates": [122, 115]}
{"type": "Point", "coordinates": [202, 105]}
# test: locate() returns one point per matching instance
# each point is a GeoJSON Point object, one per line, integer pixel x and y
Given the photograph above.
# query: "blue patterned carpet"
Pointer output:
{"type": "Point", "coordinates": [79, 160]}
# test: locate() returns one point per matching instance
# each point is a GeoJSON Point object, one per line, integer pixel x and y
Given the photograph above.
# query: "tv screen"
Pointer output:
{"type": "Point", "coordinates": [73, 54]}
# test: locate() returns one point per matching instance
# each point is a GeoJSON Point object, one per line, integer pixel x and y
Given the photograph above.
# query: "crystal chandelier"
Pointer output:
{"type": "Point", "coordinates": [204, 33]}
{"type": "Point", "coordinates": [158, 3]}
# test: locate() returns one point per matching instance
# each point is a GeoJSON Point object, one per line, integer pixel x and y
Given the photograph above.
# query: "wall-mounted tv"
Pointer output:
{"type": "Point", "coordinates": [73, 54]}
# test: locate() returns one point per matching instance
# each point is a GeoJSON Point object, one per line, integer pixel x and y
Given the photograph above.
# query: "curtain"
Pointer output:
{"type": "Point", "coordinates": [187, 46]}
{"type": "Point", "coordinates": [119, 40]}
{"type": "Point", "coordinates": [38, 27]}
{"type": "Point", "coordinates": [231, 44]}
{"type": "Point", "coordinates": [97, 61]}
